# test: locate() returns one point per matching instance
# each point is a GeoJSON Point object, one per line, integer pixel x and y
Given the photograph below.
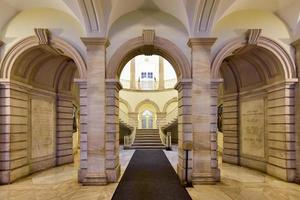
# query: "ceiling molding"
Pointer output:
{"type": "Point", "coordinates": [205, 16]}
{"type": "Point", "coordinates": [90, 14]}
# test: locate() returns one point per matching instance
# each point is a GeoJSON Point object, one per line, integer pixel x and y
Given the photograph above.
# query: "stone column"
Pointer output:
{"type": "Point", "coordinates": [203, 113]}
{"type": "Point", "coordinates": [113, 169]}
{"type": "Point", "coordinates": [185, 132]}
{"type": "Point", "coordinates": [5, 133]}
{"type": "Point", "coordinates": [161, 85]}
{"type": "Point", "coordinates": [132, 74]}
{"type": "Point", "coordinates": [82, 85]}
{"type": "Point", "coordinates": [231, 152]}
{"type": "Point", "coordinates": [96, 53]}
{"type": "Point", "coordinates": [64, 133]}
{"type": "Point", "coordinates": [281, 131]}
{"type": "Point", "coordinates": [1, 44]}
{"type": "Point", "coordinates": [296, 44]}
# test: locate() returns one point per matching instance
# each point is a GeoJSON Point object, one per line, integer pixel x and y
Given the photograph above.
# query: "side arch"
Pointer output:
{"type": "Point", "coordinates": [126, 103]}
{"type": "Point", "coordinates": [285, 60]}
{"type": "Point", "coordinates": [174, 99]}
{"type": "Point", "coordinates": [147, 101]}
{"type": "Point", "coordinates": [57, 44]}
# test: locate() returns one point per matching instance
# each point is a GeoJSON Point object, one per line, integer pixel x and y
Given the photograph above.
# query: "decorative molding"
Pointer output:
{"type": "Point", "coordinates": [113, 83]}
{"type": "Point", "coordinates": [43, 35]}
{"type": "Point", "coordinates": [148, 40]}
{"type": "Point", "coordinates": [148, 36]}
{"type": "Point", "coordinates": [206, 13]}
{"type": "Point", "coordinates": [201, 42]}
{"type": "Point", "coordinates": [95, 41]}
{"type": "Point", "coordinates": [90, 13]}
{"type": "Point", "coordinates": [253, 36]}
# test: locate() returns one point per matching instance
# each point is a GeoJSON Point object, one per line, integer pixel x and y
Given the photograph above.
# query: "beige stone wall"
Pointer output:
{"type": "Point", "coordinates": [36, 127]}
{"type": "Point", "coordinates": [265, 140]}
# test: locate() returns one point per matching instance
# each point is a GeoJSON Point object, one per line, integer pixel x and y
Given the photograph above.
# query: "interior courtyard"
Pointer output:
{"type": "Point", "coordinates": [149, 99]}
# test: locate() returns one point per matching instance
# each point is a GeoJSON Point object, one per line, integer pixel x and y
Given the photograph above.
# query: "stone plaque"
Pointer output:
{"type": "Point", "coordinates": [252, 128]}
{"type": "Point", "coordinates": [42, 128]}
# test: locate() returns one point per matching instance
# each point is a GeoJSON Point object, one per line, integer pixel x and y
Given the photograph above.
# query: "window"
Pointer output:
{"type": "Point", "coordinates": [150, 75]}
{"type": "Point", "coordinates": [144, 75]}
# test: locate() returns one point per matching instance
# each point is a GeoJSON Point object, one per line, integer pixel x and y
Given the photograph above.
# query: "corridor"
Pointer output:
{"type": "Point", "coordinates": [60, 183]}
{"type": "Point", "coordinates": [150, 176]}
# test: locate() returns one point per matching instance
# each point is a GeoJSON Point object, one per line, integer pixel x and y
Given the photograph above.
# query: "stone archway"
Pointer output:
{"type": "Point", "coordinates": [196, 106]}
{"type": "Point", "coordinates": [259, 78]}
{"type": "Point", "coordinates": [150, 44]}
{"type": "Point", "coordinates": [24, 67]}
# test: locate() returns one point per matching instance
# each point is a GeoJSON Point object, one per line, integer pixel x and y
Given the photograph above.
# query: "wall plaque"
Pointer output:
{"type": "Point", "coordinates": [253, 127]}
{"type": "Point", "coordinates": [43, 128]}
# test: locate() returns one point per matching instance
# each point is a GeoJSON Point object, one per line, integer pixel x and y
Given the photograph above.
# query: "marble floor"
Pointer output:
{"type": "Point", "coordinates": [238, 183]}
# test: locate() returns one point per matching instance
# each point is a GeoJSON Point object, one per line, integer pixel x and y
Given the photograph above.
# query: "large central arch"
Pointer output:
{"type": "Point", "coordinates": [149, 44]}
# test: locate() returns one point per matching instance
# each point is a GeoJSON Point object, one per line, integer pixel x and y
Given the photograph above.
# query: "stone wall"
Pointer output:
{"type": "Point", "coordinates": [35, 133]}
{"type": "Point", "coordinates": [259, 130]}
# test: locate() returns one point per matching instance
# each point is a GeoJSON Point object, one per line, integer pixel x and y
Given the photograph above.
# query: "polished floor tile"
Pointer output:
{"type": "Point", "coordinates": [238, 183]}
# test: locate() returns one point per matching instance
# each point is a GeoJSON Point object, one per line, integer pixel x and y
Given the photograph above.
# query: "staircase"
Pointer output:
{"type": "Point", "coordinates": [147, 139]}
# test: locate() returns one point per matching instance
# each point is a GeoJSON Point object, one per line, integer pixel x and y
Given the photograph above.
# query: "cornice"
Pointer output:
{"type": "Point", "coordinates": [201, 41]}
{"type": "Point", "coordinates": [95, 41]}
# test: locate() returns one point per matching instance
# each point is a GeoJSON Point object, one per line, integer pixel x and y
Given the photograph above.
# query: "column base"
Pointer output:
{"type": "Point", "coordinates": [81, 174]}
{"type": "Point", "coordinates": [181, 174]}
{"type": "Point", "coordinates": [113, 175]}
{"type": "Point", "coordinates": [95, 179]}
{"type": "Point", "coordinates": [206, 178]}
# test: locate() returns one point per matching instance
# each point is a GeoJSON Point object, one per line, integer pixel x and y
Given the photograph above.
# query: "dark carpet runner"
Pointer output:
{"type": "Point", "coordinates": [150, 176]}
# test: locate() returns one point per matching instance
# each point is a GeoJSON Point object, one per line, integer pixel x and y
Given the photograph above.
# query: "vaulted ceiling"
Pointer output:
{"type": "Point", "coordinates": [198, 16]}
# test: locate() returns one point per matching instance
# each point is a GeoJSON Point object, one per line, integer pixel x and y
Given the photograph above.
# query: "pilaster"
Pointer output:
{"type": "Point", "coordinates": [1, 44]}
{"type": "Point", "coordinates": [296, 44]}
{"type": "Point", "coordinates": [112, 165]}
{"type": "Point", "coordinates": [96, 53]}
{"type": "Point", "coordinates": [204, 113]}
{"type": "Point", "coordinates": [161, 84]}
{"type": "Point", "coordinates": [64, 133]}
{"type": "Point", "coordinates": [82, 85]}
{"type": "Point", "coordinates": [132, 74]}
{"type": "Point", "coordinates": [185, 132]}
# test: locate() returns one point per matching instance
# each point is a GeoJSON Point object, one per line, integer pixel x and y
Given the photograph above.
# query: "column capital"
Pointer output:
{"type": "Point", "coordinates": [201, 42]}
{"type": "Point", "coordinates": [82, 83]}
{"type": "Point", "coordinates": [184, 83]}
{"type": "Point", "coordinates": [95, 41]}
{"type": "Point", "coordinates": [113, 83]}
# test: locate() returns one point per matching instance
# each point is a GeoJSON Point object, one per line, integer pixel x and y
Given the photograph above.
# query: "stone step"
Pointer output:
{"type": "Point", "coordinates": [144, 139]}
{"type": "Point", "coordinates": [147, 147]}
{"type": "Point", "coordinates": [147, 136]}
{"type": "Point", "coordinates": [147, 144]}
{"type": "Point", "coordinates": [147, 131]}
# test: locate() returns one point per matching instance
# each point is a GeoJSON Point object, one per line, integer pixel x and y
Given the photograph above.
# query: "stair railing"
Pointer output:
{"type": "Point", "coordinates": [162, 123]}
{"type": "Point", "coordinates": [131, 123]}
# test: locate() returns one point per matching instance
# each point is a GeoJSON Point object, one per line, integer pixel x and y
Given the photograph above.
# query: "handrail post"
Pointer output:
{"type": "Point", "coordinates": [169, 141]}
